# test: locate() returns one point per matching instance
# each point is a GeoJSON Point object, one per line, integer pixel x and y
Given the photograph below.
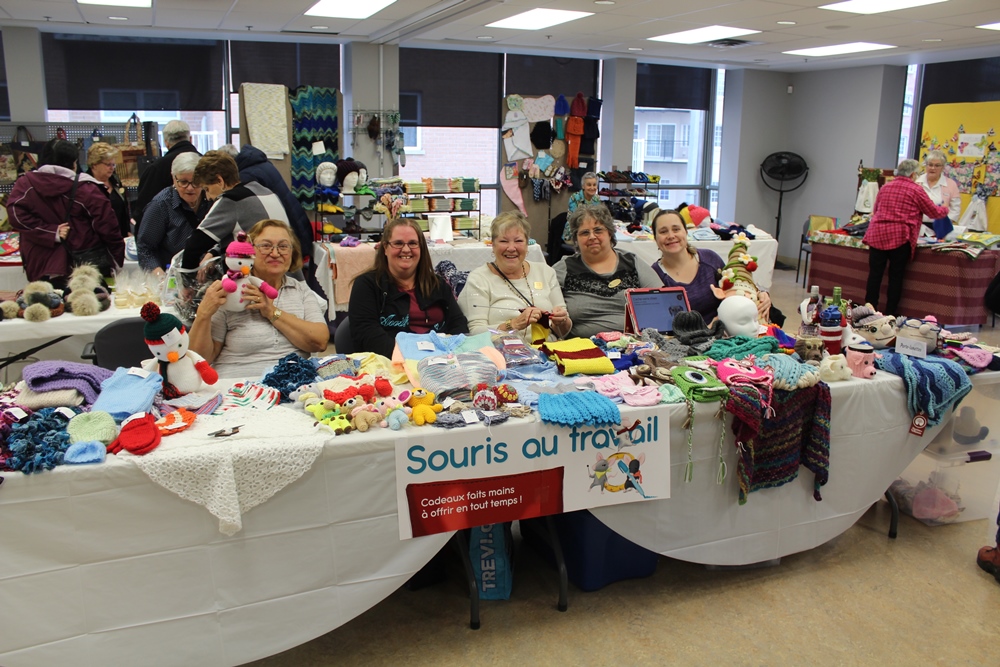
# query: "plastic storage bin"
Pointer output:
{"type": "Point", "coordinates": [595, 555]}
{"type": "Point", "coordinates": [956, 477]}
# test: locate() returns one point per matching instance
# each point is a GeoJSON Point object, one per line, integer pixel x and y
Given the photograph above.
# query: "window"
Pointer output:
{"type": "Point", "coordinates": [411, 139]}
{"type": "Point", "coordinates": [660, 141]}
{"type": "Point", "coordinates": [906, 127]}
{"type": "Point", "coordinates": [635, 131]}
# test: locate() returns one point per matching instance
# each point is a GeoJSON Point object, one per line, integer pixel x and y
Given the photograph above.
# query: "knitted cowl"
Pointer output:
{"type": "Point", "coordinates": [739, 347]}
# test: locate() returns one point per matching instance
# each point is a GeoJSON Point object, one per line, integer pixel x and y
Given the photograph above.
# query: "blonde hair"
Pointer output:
{"type": "Point", "coordinates": [509, 220]}
{"type": "Point", "coordinates": [256, 230]}
{"type": "Point", "coordinates": [99, 152]}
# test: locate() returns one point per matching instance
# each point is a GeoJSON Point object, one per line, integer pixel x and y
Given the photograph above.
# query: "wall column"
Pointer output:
{"type": "Point", "coordinates": [22, 51]}
{"type": "Point", "coordinates": [617, 113]}
{"type": "Point", "coordinates": [370, 81]}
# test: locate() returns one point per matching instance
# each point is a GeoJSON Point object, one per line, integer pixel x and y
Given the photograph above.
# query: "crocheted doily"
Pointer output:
{"type": "Point", "coordinates": [230, 476]}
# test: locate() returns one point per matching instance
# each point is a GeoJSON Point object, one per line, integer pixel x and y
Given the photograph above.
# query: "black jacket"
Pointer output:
{"type": "Point", "coordinates": [254, 166]}
{"type": "Point", "coordinates": [380, 311]}
{"type": "Point", "coordinates": [157, 176]}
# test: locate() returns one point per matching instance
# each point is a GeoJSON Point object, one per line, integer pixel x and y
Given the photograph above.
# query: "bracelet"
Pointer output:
{"type": "Point", "coordinates": [507, 326]}
{"type": "Point", "coordinates": [274, 316]}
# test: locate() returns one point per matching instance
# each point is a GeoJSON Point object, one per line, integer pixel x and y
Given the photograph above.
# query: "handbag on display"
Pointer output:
{"type": "Point", "coordinates": [25, 149]}
{"type": "Point", "coordinates": [131, 150]}
{"type": "Point", "coordinates": [8, 168]}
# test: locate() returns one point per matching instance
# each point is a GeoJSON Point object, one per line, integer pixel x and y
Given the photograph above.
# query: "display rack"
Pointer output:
{"type": "Point", "coordinates": [463, 206]}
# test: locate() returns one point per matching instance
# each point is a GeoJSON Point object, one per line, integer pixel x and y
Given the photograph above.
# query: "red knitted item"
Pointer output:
{"type": "Point", "coordinates": [139, 436]}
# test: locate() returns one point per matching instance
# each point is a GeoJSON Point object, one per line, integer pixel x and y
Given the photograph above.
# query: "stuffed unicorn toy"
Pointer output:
{"type": "Point", "coordinates": [239, 261]}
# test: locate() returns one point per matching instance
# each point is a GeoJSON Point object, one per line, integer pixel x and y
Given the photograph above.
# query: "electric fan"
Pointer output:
{"type": "Point", "coordinates": [786, 169]}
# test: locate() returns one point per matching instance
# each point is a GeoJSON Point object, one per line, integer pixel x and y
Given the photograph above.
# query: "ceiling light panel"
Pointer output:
{"type": "Point", "coordinates": [537, 19]}
{"type": "Point", "coordinates": [990, 26]}
{"type": "Point", "coordinates": [838, 49]}
{"type": "Point", "coordinates": [700, 35]}
{"type": "Point", "coordinates": [347, 9]}
{"type": "Point", "coordinates": [142, 4]}
{"type": "Point", "coordinates": [877, 6]}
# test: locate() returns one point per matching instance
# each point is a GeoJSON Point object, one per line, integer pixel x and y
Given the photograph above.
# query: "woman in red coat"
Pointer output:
{"type": "Point", "coordinates": [37, 208]}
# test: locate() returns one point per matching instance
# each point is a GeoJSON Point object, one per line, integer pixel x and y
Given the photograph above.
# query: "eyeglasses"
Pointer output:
{"type": "Point", "coordinates": [267, 247]}
{"type": "Point", "coordinates": [185, 184]}
{"type": "Point", "coordinates": [109, 165]}
{"type": "Point", "coordinates": [398, 245]}
{"type": "Point", "coordinates": [594, 231]}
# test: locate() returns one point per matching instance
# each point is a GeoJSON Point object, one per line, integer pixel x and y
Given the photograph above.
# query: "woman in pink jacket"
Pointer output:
{"type": "Point", "coordinates": [62, 225]}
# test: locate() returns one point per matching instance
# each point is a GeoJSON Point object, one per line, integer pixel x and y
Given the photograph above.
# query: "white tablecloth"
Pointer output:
{"type": "Point", "coordinates": [766, 251]}
{"type": "Point", "coordinates": [465, 256]}
{"type": "Point", "coordinates": [101, 565]}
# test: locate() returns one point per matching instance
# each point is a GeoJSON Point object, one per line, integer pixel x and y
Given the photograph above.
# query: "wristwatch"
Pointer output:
{"type": "Point", "coordinates": [275, 315]}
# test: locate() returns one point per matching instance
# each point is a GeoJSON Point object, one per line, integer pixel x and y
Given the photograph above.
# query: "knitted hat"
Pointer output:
{"type": "Point", "coordinates": [562, 106]}
{"type": "Point", "coordinates": [139, 435]}
{"type": "Point", "coordinates": [515, 101]}
{"type": "Point", "coordinates": [594, 107]}
{"type": "Point", "coordinates": [862, 315]}
{"type": "Point", "coordinates": [175, 422]}
{"type": "Point", "coordinates": [159, 325]}
{"type": "Point", "coordinates": [541, 135]}
{"type": "Point", "coordinates": [326, 174]}
{"type": "Point", "coordinates": [345, 167]}
{"type": "Point", "coordinates": [88, 451]}
{"type": "Point", "coordinates": [558, 148]}
{"type": "Point", "coordinates": [739, 267]}
{"type": "Point", "coordinates": [240, 247]}
{"type": "Point", "coordinates": [697, 385]}
{"type": "Point", "coordinates": [579, 106]}
{"type": "Point", "coordinates": [95, 425]}
{"type": "Point", "coordinates": [788, 373]}
{"type": "Point", "coordinates": [694, 215]}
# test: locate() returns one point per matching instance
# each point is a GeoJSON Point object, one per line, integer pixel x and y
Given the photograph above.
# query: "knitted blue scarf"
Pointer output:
{"type": "Point", "coordinates": [933, 385]}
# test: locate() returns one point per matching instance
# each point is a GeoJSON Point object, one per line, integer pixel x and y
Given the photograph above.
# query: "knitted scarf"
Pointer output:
{"type": "Point", "coordinates": [933, 384]}
{"type": "Point", "coordinates": [314, 120]}
{"type": "Point", "coordinates": [739, 347]}
{"type": "Point", "coordinates": [290, 373]}
{"type": "Point", "coordinates": [798, 434]}
{"type": "Point", "coordinates": [38, 443]}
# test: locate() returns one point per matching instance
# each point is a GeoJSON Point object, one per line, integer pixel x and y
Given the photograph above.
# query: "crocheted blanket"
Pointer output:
{"type": "Point", "coordinates": [797, 434]}
{"type": "Point", "coordinates": [933, 384]}
{"type": "Point", "coordinates": [232, 475]}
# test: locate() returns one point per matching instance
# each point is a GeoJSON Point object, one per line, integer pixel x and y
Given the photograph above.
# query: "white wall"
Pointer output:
{"type": "Point", "coordinates": [833, 119]}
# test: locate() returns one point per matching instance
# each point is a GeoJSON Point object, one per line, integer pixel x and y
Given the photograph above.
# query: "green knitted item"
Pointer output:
{"type": "Point", "coordinates": [740, 347]}
{"type": "Point", "coordinates": [699, 387]}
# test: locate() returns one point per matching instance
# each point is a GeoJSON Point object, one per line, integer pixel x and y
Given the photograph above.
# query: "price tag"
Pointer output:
{"type": "Point", "coordinates": [138, 372]}
{"type": "Point", "coordinates": [911, 348]}
{"type": "Point", "coordinates": [512, 341]}
{"type": "Point", "coordinates": [437, 361]}
{"type": "Point", "coordinates": [614, 354]}
{"type": "Point", "coordinates": [446, 403]}
{"type": "Point", "coordinates": [918, 424]}
{"type": "Point", "coordinates": [65, 412]}
{"type": "Point", "coordinates": [17, 413]}
{"type": "Point", "coordinates": [513, 406]}
{"type": "Point", "coordinates": [137, 415]}
{"type": "Point", "coordinates": [426, 346]}
{"type": "Point", "coordinates": [491, 414]}
{"type": "Point", "coordinates": [470, 417]}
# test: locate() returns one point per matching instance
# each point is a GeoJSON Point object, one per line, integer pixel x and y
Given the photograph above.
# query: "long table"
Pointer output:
{"type": "Point", "coordinates": [947, 285]}
{"type": "Point", "coordinates": [105, 565]}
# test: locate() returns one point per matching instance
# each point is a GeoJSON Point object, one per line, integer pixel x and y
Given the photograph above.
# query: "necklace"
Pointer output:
{"type": "Point", "coordinates": [524, 274]}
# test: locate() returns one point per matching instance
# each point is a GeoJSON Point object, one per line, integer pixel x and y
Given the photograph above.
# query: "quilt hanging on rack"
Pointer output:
{"type": "Point", "coordinates": [314, 138]}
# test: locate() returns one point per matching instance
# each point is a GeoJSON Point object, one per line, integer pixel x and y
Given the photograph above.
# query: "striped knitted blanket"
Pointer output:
{"type": "Point", "coordinates": [933, 384]}
{"type": "Point", "coordinates": [314, 119]}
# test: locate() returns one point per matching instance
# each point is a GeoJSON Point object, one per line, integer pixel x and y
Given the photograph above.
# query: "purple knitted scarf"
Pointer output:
{"type": "Point", "coordinates": [52, 375]}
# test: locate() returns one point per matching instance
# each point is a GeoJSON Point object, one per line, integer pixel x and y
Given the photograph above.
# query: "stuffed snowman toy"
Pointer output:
{"type": "Point", "coordinates": [239, 261]}
{"type": "Point", "coordinates": [183, 370]}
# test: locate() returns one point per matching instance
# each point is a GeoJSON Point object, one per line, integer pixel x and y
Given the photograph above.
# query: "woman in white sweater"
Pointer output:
{"type": "Point", "coordinates": [511, 293]}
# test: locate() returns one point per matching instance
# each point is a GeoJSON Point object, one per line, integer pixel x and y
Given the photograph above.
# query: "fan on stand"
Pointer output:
{"type": "Point", "coordinates": [783, 172]}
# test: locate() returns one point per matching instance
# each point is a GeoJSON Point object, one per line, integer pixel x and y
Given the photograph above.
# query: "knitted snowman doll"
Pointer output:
{"type": "Point", "coordinates": [239, 261]}
{"type": "Point", "coordinates": [183, 370]}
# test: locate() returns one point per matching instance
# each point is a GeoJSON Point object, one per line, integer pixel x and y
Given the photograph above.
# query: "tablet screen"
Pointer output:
{"type": "Point", "coordinates": [656, 309]}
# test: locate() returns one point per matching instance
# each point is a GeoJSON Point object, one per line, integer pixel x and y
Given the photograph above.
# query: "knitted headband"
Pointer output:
{"type": "Point", "coordinates": [241, 247]}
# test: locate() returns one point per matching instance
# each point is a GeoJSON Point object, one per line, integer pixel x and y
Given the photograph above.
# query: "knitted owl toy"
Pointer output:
{"type": "Point", "coordinates": [183, 370]}
{"type": "Point", "coordinates": [239, 261]}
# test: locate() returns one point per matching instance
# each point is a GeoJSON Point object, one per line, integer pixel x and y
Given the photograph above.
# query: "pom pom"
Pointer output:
{"type": "Point", "coordinates": [241, 236]}
{"type": "Point", "coordinates": [83, 304]}
{"type": "Point", "coordinates": [37, 287]}
{"type": "Point", "coordinates": [37, 312]}
{"type": "Point", "coordinates": [150, 312]}
{"type": "Point", "coordinates": [86, 272]}
{"type": "Point", "coordinates": [10, 309]}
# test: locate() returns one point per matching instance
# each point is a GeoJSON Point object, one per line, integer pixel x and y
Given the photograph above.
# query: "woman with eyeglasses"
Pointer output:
{"type": "Point", "coordinates": [401, 293]}
{"type": "Point", "coordinates": [237, 206]}
{"type": "Point", "coordinates": [101, 165]}
{"type": "Point", "coordinates": [249, 342]}
{"type": "Point", "coordinates": [942, 190]}
{"type": "Point", "coordinates": [594, 280]}
{"type": "Point", "coordinates": [171, 217]}
{"type": "Point", "coordinates": [511, 293]}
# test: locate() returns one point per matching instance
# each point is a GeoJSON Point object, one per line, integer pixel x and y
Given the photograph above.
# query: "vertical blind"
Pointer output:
{"type": "Point", "coordinates": [672, 87]}
{"type": "Point", "coordinates": [130, 73]}
{"type": "Point", "coordinates": [449, 88]}
{"type": "Point", "coordinates": [547, 75]}
{"type": "Point", "coordinates": [284, 63]}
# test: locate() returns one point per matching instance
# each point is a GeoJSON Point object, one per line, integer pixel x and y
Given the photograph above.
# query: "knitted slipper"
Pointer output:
{"type": "Point", "coordinates": [175, 422]}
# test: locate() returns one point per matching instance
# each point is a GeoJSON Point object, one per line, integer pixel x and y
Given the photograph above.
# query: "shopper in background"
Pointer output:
{"type": "Point", "coordinates": [237, 206]}
{"type": "Point", "coordinates": [249, 342]}
{"type": "Point", "coordinates": [101, 165]}
{"type": "Point", "coordinates": [401, 293]}
{"type": "Point", "coordinates": [988, 558]}
{"type": "Point", "coordinates": [511, 293]}
{"type": "Point", "coordinates": [256, 168]}
{"type": "Point", "coordinates": [594, 280]}
{"type": "Point", "coordinates": [942, 190]}
{"type": "Point", "coordinates": [37, 208]}
{"type": "Point", "coordinates": [177, 139]}
{"type": "Point", "coordinates": [587, 196]}
{"type": "Point", "coordinates": [893, 231]}
{"type": "Point", "coordinates": [171, 217]}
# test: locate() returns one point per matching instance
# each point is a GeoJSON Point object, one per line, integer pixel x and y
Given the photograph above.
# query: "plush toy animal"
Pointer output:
{"type": "Point", "coordinates": [239, 262]}
{"type": "Point", "coordinates": [424, 408]}
{"type": "Point", "coordinates": [861, 361]}
{"type": "Point", "coordinates": [183, 371]}
{"type": "Point", "coordinates": [834, 369]}
{"type": "Point", "coordinates": [365, 417]}
{"type": "Point", "coordinates": [810, 349]}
